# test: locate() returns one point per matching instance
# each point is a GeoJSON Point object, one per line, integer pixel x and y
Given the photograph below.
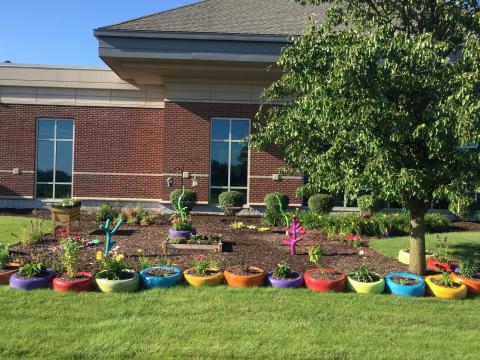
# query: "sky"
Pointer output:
{"type": "Point", "coordinates": [60, 32]}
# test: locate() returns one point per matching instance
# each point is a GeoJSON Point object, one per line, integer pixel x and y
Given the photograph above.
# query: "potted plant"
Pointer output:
{"type": "Point", "coordinates": [114, 276]}
{"type": "Point", "coordinates": [72, 279]}
{"type": "Point", "coordinates": [363, 280]}
{"type": "Point", "coordinates": [161, 276]}
{"type": "Point", "coordinates": [244, 276]}
{"type": "Point", "coordinates": [323, 279]}
{"type": "Point", "coordinates": [64, 213]}
{"type": "Point", "coordinates": [32, 276]}
{"type": "Point", "coordinates": [205, 272]}
{"type": "Point", "coordinates": [441, 260]}
{"type": "Point", "coordinates": [7, 267]}
{"type": "Point", "coordinates": [284, 277]}
{"type": "Point", "coordinates": [444, 287]}
{"type": "Point", "coordinates": [182, 226]}
{"type": "Point", "coordinates": [468, 273]}
{"type": "Point", "coordinates": [405, 284]}
{"type": "Point", "coordinates": [404, 256]}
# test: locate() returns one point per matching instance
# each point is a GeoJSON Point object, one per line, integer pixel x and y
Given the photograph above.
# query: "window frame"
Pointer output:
{"type": "Point", "coordinates": [54, 140]}
{"type": "Point", "coordinates": [228, 187]}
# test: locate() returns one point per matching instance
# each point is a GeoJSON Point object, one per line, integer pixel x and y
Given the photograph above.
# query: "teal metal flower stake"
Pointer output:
{"type": "Point", "coordinates": [294, 235]}
{"type": "Point", "coordinates": [109, 233]}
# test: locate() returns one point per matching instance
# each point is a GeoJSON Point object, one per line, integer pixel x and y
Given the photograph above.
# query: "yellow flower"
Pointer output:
{"type": "Point", "coordinates": [119, 257]}
{"type": "Point", "coordinates": [99, 256]}
{"type": "Point", "coordinates": [140, 251]}
{"type": "Point", "coordinates": [263, 229]}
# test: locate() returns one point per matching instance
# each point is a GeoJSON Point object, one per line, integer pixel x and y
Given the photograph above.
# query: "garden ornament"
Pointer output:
{"type": "Point", "coordinates": [285, 216]}
{"type": "Point", "coordinates": [294, 235]}
{"type": "Point", "coordinates": [109, 233]}
{"type": "Point", "coordinates": [181, 210]}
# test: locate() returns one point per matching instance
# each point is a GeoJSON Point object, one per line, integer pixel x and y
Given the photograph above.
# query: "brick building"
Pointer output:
{"type": "Point", "coordinates": [180, 94]}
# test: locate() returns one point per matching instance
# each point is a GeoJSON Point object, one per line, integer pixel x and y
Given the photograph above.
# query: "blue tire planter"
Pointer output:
{"type": "Point", "coordinates": [295, 282]}
{"type": "Point", "coordinates": [43, 282]}
{"type": "Point", "coordinates": [406, 290]}
{"type": "Point", "coordinates": [161, 282]}
{"type": "Point", "coordinates": [181, 233]}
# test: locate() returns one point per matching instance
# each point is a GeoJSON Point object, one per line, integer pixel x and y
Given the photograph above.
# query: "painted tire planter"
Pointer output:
{"type": "Point", "coordinates": [209, 280]}
{"type": "Point", "coordinates": [158, 281]}
{"type": "Point", "coordinates": [83, 284]}
{"type": "Point", "coordinates": [43, 282]}
{"type": "Point", "coordinates": [321, 285]}
{"type": "Point", "coordinates": [440, 266]}
{"type": "Point", "coordinates": [472, 284]}
{"type": "Point", "coordinates": [444, 292]}
{"type": "Point", "coordinates": [377, 287]}
{"type": "Point", "coordinates": [405, 290]}
{"type": "Point", "coordinates": [295, 282]}
{"type": "Point", "coordinates": [404, 257]}
{"type": "Point", "coordinates": [241, 281]}
{"type": "Point", "coordinates": [181, 233]}
{"type": "Point", "coordinates": [118, 286]}
{"type": "Point", "coordinates": [7, 274]}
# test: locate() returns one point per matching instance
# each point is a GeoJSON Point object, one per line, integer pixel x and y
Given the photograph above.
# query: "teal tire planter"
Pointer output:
{"type": "Point", "coordinates": [161, 281]}
{"type": "Point", "coordinates": [118, 286]}
{"type": "Point", "coordinates": [377, 287]}
{"type": "Point", "coordinates": [405, 290]}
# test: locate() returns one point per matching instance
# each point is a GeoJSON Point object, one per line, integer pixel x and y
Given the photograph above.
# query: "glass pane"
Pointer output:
{"type": "Point", "coordinates": [63, 191]}
{"type": "Point", "coordinates": [219, 165]}
{"type": "Point", "coordinates": [46, 129]}
{"type": "Point", "coordinates": [64, 162]}
{"type": "Point", "coordinates": [45, 161]}
{"type": "Point", "coordinates": [240, 129]}
{"type": "Point", "coordinates": [214, 193]}
{"type": "Point", "coordinates": [220, 129]}
{"type": "Point", "coordinates": [239, 161]}
{"type": "Point", "coordinates": [65, 129]}
{"type": "Point", "coordinates": [44, 191]}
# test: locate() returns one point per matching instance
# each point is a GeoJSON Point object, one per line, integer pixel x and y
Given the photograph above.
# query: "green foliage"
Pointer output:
{"type": "Point", "coordinates": [369, 203]}
{"type": "Point", "coordinates": [5, 257]}
{"type": "Point", "coordinates": [181, 224]}
{"type": "Point", "coordinates": [229, 200]}
{"type": "Point", "coordinates": [145, 263]}
{"type": "Point", "coordinates": [273, 217]}
{"type": "Point", "coordinates": [468, 268]}
{"type": "Point", "coordinates": [108, 211]}
{"type": "Point", "coordinates": [237, 225]}
{"type": "Point", "coordinates": [70, 256]}
{"type": "Point", "coordinates": [315, 254]}
{"type": "Point", "coordinates": [364, 274]}
{"type": "Point", "coordinates": [188, 200]}
{"type": "Point", "coordinates": [203, 264]}
{"type": "Point", "coordinates": [446, 280]}
{"type": "Point", "coordinates": [321, 203]}
{"type": "Point", "coordinates": [32, 270]}
{"type": "Point", "coordinates": [70, 202]}
{"type": "Point", "coordinates": [282, 271]}
{"type": "Point", "coordinates": [136, 216]}
{"type": "Point", "coordinates": [33, 233]}
{"type": "Point", "coordinates": [441, 250]}
{"type": "Point", "coordinates": [113, 267]}
{"type": "Point", "coordinates": [271, 201]}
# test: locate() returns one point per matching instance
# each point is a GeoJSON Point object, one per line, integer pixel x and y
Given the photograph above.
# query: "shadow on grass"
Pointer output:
{"type": "Point", "coordinates": [464, 250]}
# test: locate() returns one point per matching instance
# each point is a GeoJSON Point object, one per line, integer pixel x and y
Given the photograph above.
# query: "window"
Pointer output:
{"type": "Point", "coordinates": [54, 158]}
{"type": "Point", "coordinates": [228, 157]}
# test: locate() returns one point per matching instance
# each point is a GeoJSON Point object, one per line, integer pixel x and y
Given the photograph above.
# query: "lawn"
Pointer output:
{"type": "Point", "coordinates": [228, 323]}
{"type": "Point", "coordinates": [462, 244]}
{"type": "Point", "coordinates": [16, 225]}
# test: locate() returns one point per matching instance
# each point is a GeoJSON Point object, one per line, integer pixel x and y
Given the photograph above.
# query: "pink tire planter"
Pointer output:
{"type": "Point", "coordinates": [295, 282]}
{"type": "Point", "coordinates": [42, 282]}
{"type": "Point", "coordinates": [76, 285]}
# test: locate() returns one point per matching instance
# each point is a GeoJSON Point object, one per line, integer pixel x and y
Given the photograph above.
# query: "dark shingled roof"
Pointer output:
{"type": "Point", "coordinates": [255, 17]}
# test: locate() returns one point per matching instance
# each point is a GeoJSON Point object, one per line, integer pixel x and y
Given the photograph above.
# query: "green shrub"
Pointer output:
{"type": "Point", "coordinates": [188, 200]}
{"type": "Point", "coordinates": [435, 222]}
{"type": "Point", "coordinates": [108, 211]}
{"type": "Point", "coordinates": [370, 203]}
{"type": "Point", "coordinates": [5, 257]}
{"type": "Point", "coordinates": [271, 201]}
{"type": "Point", "coordinates": [273, 218]}
{"type": "Point", "coordinates": [32, 270]}
{"type": "Point", "coordinates": [231, 199]}
{"type": "Point", "coordinates": [321, 203]}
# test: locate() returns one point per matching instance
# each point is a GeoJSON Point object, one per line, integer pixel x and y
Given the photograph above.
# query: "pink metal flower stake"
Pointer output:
{"type": "Point", "coordinates": [295, 232]}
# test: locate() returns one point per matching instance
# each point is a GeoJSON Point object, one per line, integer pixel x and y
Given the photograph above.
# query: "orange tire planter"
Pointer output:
{"type": "Point", "coordinates": [241, 281]}
{"type": "Point", "coordinates": [444, 292]}
{"type": "Point", "coordinates": [472, 284]}
{"type": "Point", "coordinates": [210, 280]}
{"type": "Point", "coordinates": [5, 275]}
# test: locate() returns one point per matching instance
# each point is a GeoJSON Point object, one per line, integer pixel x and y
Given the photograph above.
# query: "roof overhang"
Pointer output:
{"type": "Point", "coordinates": [153, 57]}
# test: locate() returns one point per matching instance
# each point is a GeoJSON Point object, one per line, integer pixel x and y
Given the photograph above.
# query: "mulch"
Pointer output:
{"type": "Point", "coordinates": [247, 247]}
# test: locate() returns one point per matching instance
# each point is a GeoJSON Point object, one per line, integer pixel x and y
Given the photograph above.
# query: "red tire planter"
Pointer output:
{"type": "Point", "coordinates": [440, 266]}
{"type": "Point", "coordinates": [338, 285]}
{"type": "Point", "coordinates": [84, 284]}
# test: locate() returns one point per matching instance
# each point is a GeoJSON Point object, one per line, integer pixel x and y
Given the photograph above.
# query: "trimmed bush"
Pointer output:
{"type": "Point", "coordinates": [231, 199]}
{"type": "Point", "coordinates": [370, 203]}
{"type": "Point", "coordinates": [188, 200]}
{"type": "Point", "coordinates": [321, 203]}
{"type": "Point", "coordinates": [273, 218]}
{"type": "Point", "coordinates": [271, 202]}
{"type": "Point", "coordinates": [108, 211]}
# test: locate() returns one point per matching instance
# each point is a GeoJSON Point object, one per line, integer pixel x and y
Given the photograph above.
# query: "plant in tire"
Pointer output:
{"type": "Point", "coordinates": [113, 267]}
{"type": "Point", "coordinates": [32, 270]}
{"type": "Point", "coordinates": [364, 274]}
{"type": "Point", "coordinates": [5, 258]}
{"type": "Point", "coordinates": [70, 256]}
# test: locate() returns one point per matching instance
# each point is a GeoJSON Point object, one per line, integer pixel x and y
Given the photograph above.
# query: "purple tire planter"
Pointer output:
{"type": "Point", "coordinates": [296, 282]}
{"type": "Point", "coordinates": [181, 233]}
{"type": "Point", "coordinates": [43, 282]}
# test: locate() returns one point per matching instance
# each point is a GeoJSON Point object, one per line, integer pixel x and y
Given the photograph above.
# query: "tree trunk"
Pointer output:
{"type": "Point", "coordinates": [417, 241]}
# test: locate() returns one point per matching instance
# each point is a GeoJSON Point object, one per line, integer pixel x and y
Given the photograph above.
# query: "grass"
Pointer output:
{"type": "Point", "coordinates": [228, 323]}
{"type": "Point", "coordinates": [16, 225]}
{"type": "Point", "coordinates": [462, 245]}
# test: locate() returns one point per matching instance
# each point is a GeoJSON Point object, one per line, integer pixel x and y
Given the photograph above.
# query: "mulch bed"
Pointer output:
{"type": "Point", "coordinates": [250, 247]}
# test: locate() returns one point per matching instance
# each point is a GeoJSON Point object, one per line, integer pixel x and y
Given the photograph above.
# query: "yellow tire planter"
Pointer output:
{"type": "Point", "coordinates": [404, 257]}
{"type": "Point", "coordinates": [119, 286]}
{"type": "Point", "coordinates": [377, 287]}
{"type": "Point", "coordinates": [208, 280]}
{"type": "Point", "coordinates": [443, 292]}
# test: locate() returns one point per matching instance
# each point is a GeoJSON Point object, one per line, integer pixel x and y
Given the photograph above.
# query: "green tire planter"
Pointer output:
{"type": "Point", "coordinates": [377, 287]}
{"type": "Point", "coordinates": [118, 286]}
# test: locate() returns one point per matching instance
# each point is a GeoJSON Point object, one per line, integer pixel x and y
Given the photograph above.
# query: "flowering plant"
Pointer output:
{"type": "Point", "coordinates": [354, 240]}
{"type": "Point", "coordinates": [180, 223]}
{"type": "Point", "coordinates": [203, 264]}
{"type": "Point", "coordinates": [113, 267]}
